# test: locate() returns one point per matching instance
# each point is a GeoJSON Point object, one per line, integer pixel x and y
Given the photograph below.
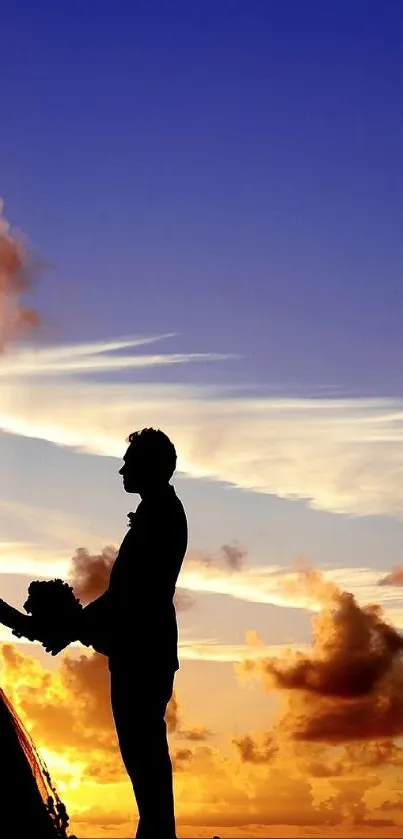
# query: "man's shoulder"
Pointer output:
{"type": "Point", "coordinates": [158, 511]}
{"type": "Point", "coordinates": [163, 520]}
{"type": "Point", "coordinates": [165, 503]}
{"type": "Point", "coordinates": [174, 510]}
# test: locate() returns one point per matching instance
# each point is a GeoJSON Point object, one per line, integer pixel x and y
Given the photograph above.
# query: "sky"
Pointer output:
{"type": "Point", "coordinates": [202, 202]}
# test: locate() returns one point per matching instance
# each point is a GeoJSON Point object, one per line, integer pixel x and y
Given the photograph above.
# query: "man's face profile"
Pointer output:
{"type": "Point", "coordinates": [132, 469]}
{"type": "Point", "coordinates": [149, 461]}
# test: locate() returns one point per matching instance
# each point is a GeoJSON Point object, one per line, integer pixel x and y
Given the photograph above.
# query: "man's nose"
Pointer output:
{"type": "Point", "coordinates": [121, 470]}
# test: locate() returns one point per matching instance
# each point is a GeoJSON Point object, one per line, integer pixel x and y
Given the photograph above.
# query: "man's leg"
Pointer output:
{"type": "Point", "coordinates": [140, 725]}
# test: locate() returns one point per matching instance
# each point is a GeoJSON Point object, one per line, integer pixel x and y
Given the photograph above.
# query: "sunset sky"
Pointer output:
{"type": "Point", "coordinates": [214, 193]}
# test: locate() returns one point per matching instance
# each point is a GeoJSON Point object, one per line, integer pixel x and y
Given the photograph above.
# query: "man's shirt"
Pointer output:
{"type": "Point", "coordinates": [135, 620]}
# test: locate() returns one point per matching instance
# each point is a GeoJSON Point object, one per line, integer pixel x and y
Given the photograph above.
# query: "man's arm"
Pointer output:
{"type": "Point", "coordinates": [85, 630]}
{"type": "Point", "coordinates": [92, 616]}
{"type": "Point", "coordinates": [23, 625]}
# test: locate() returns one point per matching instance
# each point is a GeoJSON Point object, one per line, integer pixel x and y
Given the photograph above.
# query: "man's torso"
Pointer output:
{"type": "Point", "coordinates": [142, 583]}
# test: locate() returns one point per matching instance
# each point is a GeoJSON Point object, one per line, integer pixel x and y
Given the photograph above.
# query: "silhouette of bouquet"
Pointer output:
{"type": "Point", "coordinates": [55, 612]}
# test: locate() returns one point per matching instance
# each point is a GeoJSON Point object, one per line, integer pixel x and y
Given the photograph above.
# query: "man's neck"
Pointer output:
{"type": "Point", "coordinates": [155, 491]}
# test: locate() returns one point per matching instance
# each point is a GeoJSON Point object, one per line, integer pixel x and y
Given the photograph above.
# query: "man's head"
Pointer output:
{"type": "Point", "coordinates": [149, 462]}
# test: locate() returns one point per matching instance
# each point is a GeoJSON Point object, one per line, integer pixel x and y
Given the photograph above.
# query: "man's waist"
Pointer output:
{"type": "Point", "coordinates": [159, 643]}
{"type": "Point", "coordinates": [123, 599]}
{"type": "Point", "coordinates": [140, 627]}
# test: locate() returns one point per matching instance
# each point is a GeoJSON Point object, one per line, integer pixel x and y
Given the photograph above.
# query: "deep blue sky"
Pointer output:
{"type": "Point", "coordinates": [231, 171]}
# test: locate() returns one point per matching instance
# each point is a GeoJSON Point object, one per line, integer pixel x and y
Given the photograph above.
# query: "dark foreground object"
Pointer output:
{"type": "Point", "coordinates": [29, 804]}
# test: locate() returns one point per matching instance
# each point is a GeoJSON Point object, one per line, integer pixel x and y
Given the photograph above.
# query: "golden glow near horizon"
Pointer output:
{"type": "Point", "coordinates": [272, 724]}
{"type": "Point", "coordinates": [327, 760]}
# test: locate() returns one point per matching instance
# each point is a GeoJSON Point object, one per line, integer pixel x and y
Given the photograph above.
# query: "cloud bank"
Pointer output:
{"type": "Point", "coordinates": [340, 455]}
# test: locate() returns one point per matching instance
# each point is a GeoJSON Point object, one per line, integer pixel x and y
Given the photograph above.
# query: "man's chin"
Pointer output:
{"type": "Point", "coordinates": [129, 488]}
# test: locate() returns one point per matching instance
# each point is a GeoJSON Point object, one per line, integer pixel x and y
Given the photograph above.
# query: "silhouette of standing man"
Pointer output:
{"type": "Point", "coordinates": [134, 623]}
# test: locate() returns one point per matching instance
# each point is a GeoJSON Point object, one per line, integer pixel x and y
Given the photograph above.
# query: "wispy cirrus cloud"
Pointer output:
{"type": "Point", "coordinates": [50, 526]}
{"type": "Point", "coordinates": [97, 357]}
{"type": "Point", "coordinates": [339, 455]}
{"type": "Point", "coordinates": [276, 585]}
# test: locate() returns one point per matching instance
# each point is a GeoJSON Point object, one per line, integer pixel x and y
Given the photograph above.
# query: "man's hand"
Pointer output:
{"type": "Point", "coordinates": [22, 626]}
{"type": "Point", "coordinates": [25, 627]}
{"type": "Point", "coordinates": [55, 644]}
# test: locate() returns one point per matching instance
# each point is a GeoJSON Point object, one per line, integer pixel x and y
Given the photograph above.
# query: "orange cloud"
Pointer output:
{"type": "Point", "coordinates": [252, 752]}
{"type": "Point", "coordinates": [66, 709]}
{"type": "Point", "coordinates": [89, 576]}
{"type": "Point", "coordinates": [16, 272]}
{"type": "Point", "coordinates": [349, 686]}
{"type": "Point", "coordinates": [233, 556]}
{"type": "Point", "coordinates": [69, 709]}
{"type": "Point", "coordinates": [196, 735]}
{"type": "Point", "coordinates": [230, 557]}
{"type": "Point", "coordinates": [395, 578]}
{"type": "Point", "coordinates": [89, 573]}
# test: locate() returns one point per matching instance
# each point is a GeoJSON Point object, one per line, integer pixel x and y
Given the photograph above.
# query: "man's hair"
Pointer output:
{"type": "Point", "coordinates": [157, 450]}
